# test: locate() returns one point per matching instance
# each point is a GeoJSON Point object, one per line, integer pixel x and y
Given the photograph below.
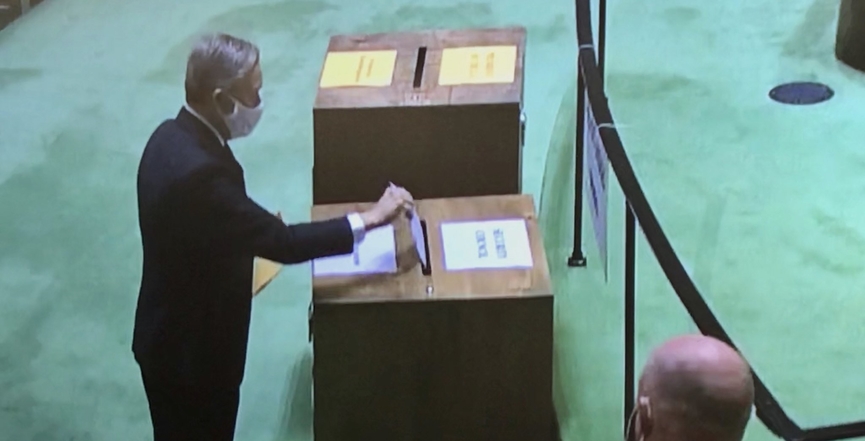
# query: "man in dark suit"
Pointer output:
{"type": "Point", "coordinates": [200, 233]}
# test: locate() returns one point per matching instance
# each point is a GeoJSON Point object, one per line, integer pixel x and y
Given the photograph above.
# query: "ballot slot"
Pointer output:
{"type": "Point", "coordinates": [426, 262]}
{"type": "Point", "coordinates": [420, 237]}
{"type": "Point", "coordinates": [419, 67]}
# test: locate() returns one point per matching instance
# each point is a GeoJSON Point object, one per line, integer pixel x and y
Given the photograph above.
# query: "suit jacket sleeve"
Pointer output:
{"type": "Point", "coordinates": [233, 219]}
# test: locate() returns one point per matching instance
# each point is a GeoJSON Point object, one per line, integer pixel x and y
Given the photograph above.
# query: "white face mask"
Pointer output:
{"type": "Point", "coordinates": [243, 120]}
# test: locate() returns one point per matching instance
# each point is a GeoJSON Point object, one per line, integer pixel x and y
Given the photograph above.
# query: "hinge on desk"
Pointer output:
{"type": "Point", "coordinates": [523, 119]}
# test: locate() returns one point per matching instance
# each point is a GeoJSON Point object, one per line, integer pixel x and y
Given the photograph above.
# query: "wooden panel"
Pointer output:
{"type": "Point", "coordinates": [850, 38]}
{"type": "Point", "coordinates": [478, 93]}
{"type": "Point", "coordinates": [457, 370]}
{"type": "Point", "coordinates": [10, 10]}
{"type": "Point", "coordinates": [435, 152]}
{"type": "Point", "coordinates": [417, 136]}
{"type": "Point", "coordinates": [407, 44]}
{"type": "Point", "coordinates": [470, 361]}
{"type": "Point", "coordinates": [411, 284]}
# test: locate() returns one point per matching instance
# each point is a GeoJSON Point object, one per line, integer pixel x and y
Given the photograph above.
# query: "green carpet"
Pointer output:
{"type": "Point", "coordinates": [757, 198]}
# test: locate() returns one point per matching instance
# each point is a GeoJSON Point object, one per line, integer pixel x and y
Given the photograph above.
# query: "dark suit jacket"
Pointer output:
{"type": "Point", "coordinates": [200, 233]}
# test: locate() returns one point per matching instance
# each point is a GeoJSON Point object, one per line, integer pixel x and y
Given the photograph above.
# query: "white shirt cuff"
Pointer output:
{"type": "Point", "coordinates": [358, 229]}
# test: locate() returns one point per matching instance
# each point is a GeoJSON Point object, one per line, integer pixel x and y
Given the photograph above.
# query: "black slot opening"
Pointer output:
{"type": "Point", "coordinates": [418, 69]}
{"type": "Point", "coordinates": [426, 269]}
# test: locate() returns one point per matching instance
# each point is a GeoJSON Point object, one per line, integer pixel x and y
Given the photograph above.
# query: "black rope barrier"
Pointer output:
{"type": "Point", "coordinates": [590, 87]}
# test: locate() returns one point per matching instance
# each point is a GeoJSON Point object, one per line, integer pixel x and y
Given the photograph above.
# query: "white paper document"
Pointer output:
{"type": "Point", "coordinates": [375, 254]}
{"type": "Point", "coordinates": [417, 234]}
{"type": "Point", "coordinates": [492, 244]}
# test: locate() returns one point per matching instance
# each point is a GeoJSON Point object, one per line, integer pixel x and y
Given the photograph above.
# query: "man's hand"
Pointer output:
{"type": "Point", "coordinates": [394, 202]}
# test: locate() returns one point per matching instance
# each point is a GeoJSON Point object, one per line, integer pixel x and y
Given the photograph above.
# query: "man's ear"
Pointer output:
{"type": "Point", "coordinates": [223, 102]}
{"type": "Point", "coordinates": [645, 418]}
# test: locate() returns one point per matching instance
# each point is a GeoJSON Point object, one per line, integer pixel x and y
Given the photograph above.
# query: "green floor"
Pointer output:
{"type": "Point", "coordinates": [760, 200]}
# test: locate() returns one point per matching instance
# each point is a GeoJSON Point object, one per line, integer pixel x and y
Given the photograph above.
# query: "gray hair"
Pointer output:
{"type": "Point", "coordinates": [216, 61]}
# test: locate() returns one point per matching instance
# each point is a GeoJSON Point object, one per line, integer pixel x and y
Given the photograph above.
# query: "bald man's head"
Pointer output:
{"type": "Point", "coordinates": [694, 387]}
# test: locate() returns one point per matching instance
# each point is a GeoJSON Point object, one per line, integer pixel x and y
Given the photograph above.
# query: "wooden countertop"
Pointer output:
{"type": "Point", "coordinates": [409, 284]}
{"type": "Point", "coordinates": [402, 92]}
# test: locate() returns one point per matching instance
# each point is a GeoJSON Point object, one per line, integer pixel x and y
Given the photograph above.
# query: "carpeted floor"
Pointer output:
{"type": "Point", "coordinates": [759, 199]}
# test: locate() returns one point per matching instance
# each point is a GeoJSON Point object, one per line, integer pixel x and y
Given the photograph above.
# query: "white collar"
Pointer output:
{"type": "Point", "coordinates": [204, 120]}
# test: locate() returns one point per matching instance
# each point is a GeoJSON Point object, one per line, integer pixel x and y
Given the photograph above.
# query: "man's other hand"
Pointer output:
{"type": "Point", "coordinates": [394, 202]}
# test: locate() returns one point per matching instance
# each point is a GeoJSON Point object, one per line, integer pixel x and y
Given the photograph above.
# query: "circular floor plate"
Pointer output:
{"type": "Point", "coordinates": [802, 93]}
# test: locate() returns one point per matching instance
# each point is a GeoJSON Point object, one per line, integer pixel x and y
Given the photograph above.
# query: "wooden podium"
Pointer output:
{"type": "Point", "coordinates": [437, 112]}
{"type": "Point", "coordinates": [454, 355]}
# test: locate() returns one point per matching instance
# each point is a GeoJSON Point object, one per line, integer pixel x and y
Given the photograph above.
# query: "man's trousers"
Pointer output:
{"type": "Point", "coordinates": [190, 413]}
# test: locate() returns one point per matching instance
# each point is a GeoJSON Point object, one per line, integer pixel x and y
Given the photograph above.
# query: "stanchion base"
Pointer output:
{"type": "Point", "coordinates": [577, 260]}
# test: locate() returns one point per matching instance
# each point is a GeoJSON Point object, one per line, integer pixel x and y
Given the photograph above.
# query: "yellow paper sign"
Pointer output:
{"type": "Point", "coordinates": [264, 273]}
{"type": "Point", "coordinates": [478, 65]}
{"type": "Point", "coordinates": [358, 69]}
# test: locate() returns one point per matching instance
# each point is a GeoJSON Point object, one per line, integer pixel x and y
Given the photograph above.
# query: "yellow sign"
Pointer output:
{"type": "Point", "coordinates": [358, 69]}
{"type": "Point", "coordinates": [478, 65]}
{"type": "Point", "coordinates": [264, 271]}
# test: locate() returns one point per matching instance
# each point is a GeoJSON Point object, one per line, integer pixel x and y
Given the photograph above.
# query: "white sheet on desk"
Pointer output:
{"type": "Point", "coordinates": [488, 244]}
{"type": "Point", "coordinates": [375, 254]}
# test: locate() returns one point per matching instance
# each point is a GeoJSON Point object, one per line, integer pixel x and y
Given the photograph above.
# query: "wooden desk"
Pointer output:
{"type": "Point", "coordinates": [472, 360]}
{"type": "Point", "coordinates": [420, 126]}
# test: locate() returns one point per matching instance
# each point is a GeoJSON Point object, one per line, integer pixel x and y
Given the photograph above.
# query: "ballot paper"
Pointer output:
{"type": "Point", "coordinates": [375, 254]}
{"type": "Point", "coordinates": [490, 244]}
{"type": "Point", "coordinates": [417, 234]}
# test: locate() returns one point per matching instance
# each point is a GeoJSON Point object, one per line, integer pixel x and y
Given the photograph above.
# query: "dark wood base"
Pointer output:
{"type": "Point", "coordinates": [850, 41]}
{"type": "Point", "coordinates": [459, 370]}
{"type": "Point", "coordinates": [557, 432]}
{"type": "Point", "coordinates": [434, 151]}
{"type": "Point", "coordinates": [438, 355]}
{"type": "Point", "coordinates": [11, 10]}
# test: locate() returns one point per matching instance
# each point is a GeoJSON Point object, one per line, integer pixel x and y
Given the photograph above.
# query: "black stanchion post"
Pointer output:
{"type": "Point", "coordinates": [602, 39]}
{"type": "Point", "coordinates": [578, 259]}
{"type": "Point", "coordinates": [630, 307]}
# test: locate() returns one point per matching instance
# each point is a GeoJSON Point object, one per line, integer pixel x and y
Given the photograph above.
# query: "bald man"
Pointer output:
{"type": "Point", "coordinates": [694, 388]}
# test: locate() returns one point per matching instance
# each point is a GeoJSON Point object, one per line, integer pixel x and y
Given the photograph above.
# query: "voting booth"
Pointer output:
{"type": "Point", "coordinates": [438, 112]}
{"type": "Point", "coordinates": [445, 337]}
